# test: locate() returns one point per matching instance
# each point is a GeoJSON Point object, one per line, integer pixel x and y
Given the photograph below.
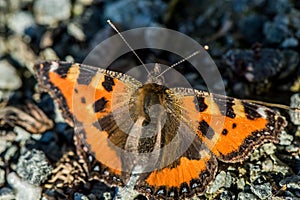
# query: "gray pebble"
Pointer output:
{"type": "Point", "coordinates": [79, 196]}
{"type": "Point", "coordinates": [49, 12]}
{"type": "Point", "coordinates": [289, 42]}
{"type": "Point", "coordinates": [34, 167]}
{"type": "Point", "coordinates": [274, 32]}
{"type": "Point", "coordinates": [134, 13]}
{"type": "Point", "coordinates": [9, 80]}
{"type": "Point", "coordinates": [219, 182]}
{"type": "Point", "coordinates": [262, 191]}
{"type": "Point", "coordinates": [11, 151]}
{"type": "Point", "coordinates": [6, 194]}
{"type": "Point", "coordinates": [20, 21]}
{"type": "Point", "coordinates": [295, 103]}
{"type": "Point", "coordinates": [23, 189]}
{"type": "Point", "coordinates": [246, 196]}
{"type": "Point", "coordinates": [2, 177]}
{"type": "Point", "coordinates": [285, 139]}
{"type": "Point", "coordinates": [291, 182]}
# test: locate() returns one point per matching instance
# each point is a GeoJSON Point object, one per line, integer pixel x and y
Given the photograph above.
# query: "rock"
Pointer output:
{"type": "Point", "coordinates": [134, 14]}
{"type": "Point", "coordinates": [218, 183]}
{"type": "Point", "coordinates": [274, 32]}
{"type": "Point", "coordinates": [20, 51]}
{"type": "Point", "coordinates": [6, 194]}
{"type": "Point", "coordinates": [295, 103]}
{"type": "Point", "coordinates": [240, 183]}
{"type": "Point", "coordinates": [76, 31]}
{"type": "Point", "coordinates": [2, 178]}
{"type": "Point", "coordinates": [263, 191]}
{"type": "Point", "coordinates": [9, 80]}
{"type": "Point", "coordinates": [285, 139]}
{"type": "Point", "coordinates": [292, 182]}
{"type": "Point", "coordinates": [246, 196]}
{"type": "Point", "coordinates": [20, 21]}
{"type": "Point", "coordinates": [289, 42]}
{"type": "Point", "coordinates": [49, 12]}
{"type": "Point", "coordinates": [2, 46]}
{"type": "Point", "coordinates": [34, 167]}
{"type": "Point", "coordinates": [23, 189]}
{"type": "Point", "coordinates": [278, 7]}
{"type": "Point", "coordinates": [226, 195]}
{"type": "Point", "coordinates": [11, 151]}
{"type": "Point", "coordinates": [3, 146]}
{"type": "Point", "coordinates": [254, 33]}
{"type": "Point", "coordinates": [79, 196]}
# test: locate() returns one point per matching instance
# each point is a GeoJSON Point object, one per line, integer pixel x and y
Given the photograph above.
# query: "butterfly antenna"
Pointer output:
{"type": "Point", "coordinates": [275, 105]}
{"type": "Point", "coordinates": [178, 63]}
{"type": "Point", "coordinates": [114, 27]}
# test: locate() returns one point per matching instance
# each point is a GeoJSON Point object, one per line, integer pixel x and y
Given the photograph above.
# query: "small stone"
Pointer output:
{"type": "Point", "coordinates": [246, 196]}
{"type": "Point", "coordinates": [226, 195]}
{"type": "Point", "coordinates": [268, 148]}
{"type": "Point", "coordinates": [9, 80]}
{"type": "Point", "coordinates": [285, 139]}
{"type": "Point", "coordinates": [278, 7]}
{"type": "Point", "coordinates": [76, 31]}
{"type": "Point", "coordinates": [49, 12]}
{"type": "Point", "coordinates": [33, 167]}
{"type": "Point", "coordinates": [22, 135]}
{"type": "Point", "coordinates": [292, 182]}
{"type": "Point", "coordinates": [79, 196]}
{"type": "Point", "coordinates": [263, 191]}
{"type": "Point", "coordinates": [218, 183]}
{"type": "Point", "coordinates": [228, 180]}
{"type": "Point", "coordinates": [11, 151]}
{"type": "Point", "coordinates": [2, 46]}
{"type": "Point", "coordinates": [254, 33]}
{"type": "Point", "coordinates": [6, 194]}
{"type": "Point", "coordinates": [49, 54]}
{"type": "Point", "coordinates": [274, 32]}
{"type": "Point", "coordinates": [293, 148]}
{"type": "Point", "coordinates": [2, 177]}
{"type": "Point", "coordinates": [255, 171]}
{"type": "Point", "coordinates": [267, 165]}
{"type": "Point", "coordinates": [295, 103]}
{"type": "Point", "coordinates": [85, 2]}
{"type": "Point", "coordinates": [20, 51]}
{"type": "Point", "coordinates": [3, 145]}
{"type": "Point", "coordinates": [240, 183]}
{"type": "Point", "coordinates": [23, 189]}
{"type": "Point", "coordinates": [289, 42]}
{"type": "Point", "coordinates": [107, 196]}
{"type": "Point", "coordinates": [135, 13]}
{"type": "Point", "coordinates": [20, 21]}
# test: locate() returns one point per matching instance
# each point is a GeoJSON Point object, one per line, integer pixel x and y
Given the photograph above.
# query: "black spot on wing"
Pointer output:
{"type": "Point", "coordinates": [100, 104]}
{"type": "Point", "coordinates": [206, 130]}
{"type": "Point", "coordinates": [251, 111]}
{"type": "Point", "coordinates": [233, 125]}
{"type": "Point", "coordinates": [63, 69]}
{"type": "Point", "coordinates": [108, 83]}
{"type": "Point", "coordinates": [200, 104]}
{"type": "Point", "coordinates": [86, 75]}
{"type": "Point", "coordinates": [225, 131]}
{"type": "Point", "coordinates": [83, 100]}
{"type": "Point", "coordinates": [226, 106]}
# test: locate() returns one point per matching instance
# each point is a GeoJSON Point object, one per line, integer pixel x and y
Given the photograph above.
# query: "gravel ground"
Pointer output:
{"type": "Point", "coordinates": [255, 44]}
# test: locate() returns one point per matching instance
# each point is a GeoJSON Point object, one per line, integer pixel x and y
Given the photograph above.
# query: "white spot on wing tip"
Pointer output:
{"type": "Point", "coordinates": [53, 66]}
{"type": "Point", "coordinates": [262, 112]}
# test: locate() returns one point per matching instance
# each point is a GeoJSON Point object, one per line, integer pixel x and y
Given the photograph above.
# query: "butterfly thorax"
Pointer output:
{"type": "Point", "coordinates": [151, 111]}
